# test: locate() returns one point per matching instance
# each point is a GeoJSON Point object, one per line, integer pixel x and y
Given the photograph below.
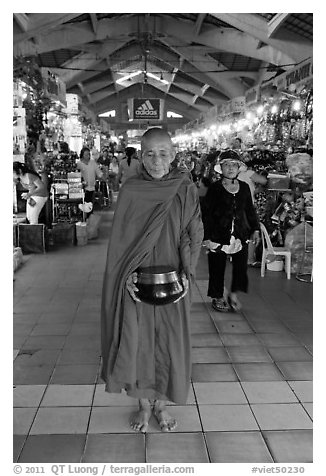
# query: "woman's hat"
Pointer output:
{"type": "Point", "coordinates": [227, 156]}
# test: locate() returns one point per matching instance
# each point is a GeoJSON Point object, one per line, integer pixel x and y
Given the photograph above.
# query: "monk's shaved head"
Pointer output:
{"type": "Point", "coordinates": [156, 133]}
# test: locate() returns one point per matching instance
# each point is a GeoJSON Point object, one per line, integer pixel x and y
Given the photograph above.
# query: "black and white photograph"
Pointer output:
{"type": "Point", "coordinates": [162, 240]}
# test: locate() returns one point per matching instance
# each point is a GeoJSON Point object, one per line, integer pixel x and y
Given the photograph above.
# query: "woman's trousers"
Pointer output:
{"type": "Point", "coordinates": [216, 269]}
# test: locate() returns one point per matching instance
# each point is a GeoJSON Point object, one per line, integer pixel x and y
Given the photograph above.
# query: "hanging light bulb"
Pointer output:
{"type": "Point", "coordinates": [296, 105]}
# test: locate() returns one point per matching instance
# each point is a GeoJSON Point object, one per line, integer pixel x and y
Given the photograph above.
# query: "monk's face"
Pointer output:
{"type": "Point", "coordinates": [157, 154]}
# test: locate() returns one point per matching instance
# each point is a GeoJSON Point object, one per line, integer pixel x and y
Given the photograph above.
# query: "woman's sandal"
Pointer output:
{"type": "Point", "coordinates": [235, 305]}
{"type": "Point", "coordinates": [219, 304]}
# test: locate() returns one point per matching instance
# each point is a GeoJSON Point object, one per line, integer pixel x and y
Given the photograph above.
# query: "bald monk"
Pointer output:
{"type": "Point", "coordinates": [146, 348]}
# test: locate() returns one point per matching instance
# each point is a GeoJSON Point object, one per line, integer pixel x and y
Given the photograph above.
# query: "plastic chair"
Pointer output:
{"type": "Point", "coordinates": [268, 249]}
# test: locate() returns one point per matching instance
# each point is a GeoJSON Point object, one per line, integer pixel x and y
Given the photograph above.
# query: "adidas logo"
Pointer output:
{"type": "Point", "coordinates": [146, 109]}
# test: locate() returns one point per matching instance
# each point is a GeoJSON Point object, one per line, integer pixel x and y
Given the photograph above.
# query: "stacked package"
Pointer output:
{"type": "Point", "coordinates": [75, 185]}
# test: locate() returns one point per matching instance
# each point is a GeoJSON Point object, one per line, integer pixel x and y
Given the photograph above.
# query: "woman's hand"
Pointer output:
{"type": "Point", "coordinates": [256, 237]}
{"type": "Point", "coordinates": [131, 286]}
{"type": "Point", "coordinates": [25, 195]}
{"type": "Point", "coordinates": [210, 245]}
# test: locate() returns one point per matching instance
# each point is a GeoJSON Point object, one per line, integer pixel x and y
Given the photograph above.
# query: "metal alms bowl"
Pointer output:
{"type": "Point", "coordinates": [159, 285]}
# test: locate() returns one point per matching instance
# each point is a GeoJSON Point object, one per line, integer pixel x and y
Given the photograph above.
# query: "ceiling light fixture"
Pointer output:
{"type": "Point", "coordinates": [128, 76]}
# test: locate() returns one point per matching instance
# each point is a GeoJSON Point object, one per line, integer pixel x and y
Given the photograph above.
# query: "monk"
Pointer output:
{"type": "Point", "coordinates": [145, 348]}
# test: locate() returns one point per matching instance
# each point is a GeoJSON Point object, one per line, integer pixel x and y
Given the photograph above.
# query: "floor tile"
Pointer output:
{"type": "Point", "coordinates": [213, 373]}
{"type": "Point", "coordinates": [219, 392]}
{"type": "Point", "coordinates": [281, 416]}
{"type": "Point", "coordinates": [112, 448]}
{"type": "Point", "coordinates": [75, 374]}
{"type": "Point", "coordinates": [79, 356]}
{"type": "Point", "coordinates": [56, 317]}
{"type": "Point", "coordinates": [203, 340]}
{"type": "Point", "coordinates": [290, 354]}
{"type": "Point", "coordinates": [302, 389]}
{"type": "Point", "coordinates": [237, 447]}
{"type": "Point", "coordinates": [53, 448]}
{"type": "Point", "coordinates": [176, 448]}
{"type": "Point", "coordinates": [32, 375]}
{"type": "Point", "coordinates": [61, 420]}
{"type": "Point", "coordinates": [309, 409]}
{"type": "Point", "coordinates": [296, 370]}
{"type": "Point", "coordinates": [227, 418]}
{"type": "Point", "coordinates": [209, 355]}
{"type": "Point", "coordinates": [234, 327]}
{"type": "Point", "coordinates": [240, 339]}
{"type": "Point", "coordinates": [68, 395]}
{"type": "Point", "coordinates": [269, 392]}
{"type": "Point", "coordinates": [292, 446]}
{"type": "Point", "coordinates": [261, 371]}
{"type": "Point", "coordinates": [50, 330]}
{"type": "Point", "coordinates": [18, 443]}
{"type": "Point", "coordinates": [186, 416]}
{"type": "Point", "coordinates": [111, 419]}
{"type": "Point", "coordinates": [268, 325]}
{"type": "Point", "coordinates": [28, 395]}
{"type": "Point", "coordinates": [82, 342]}
{"type": "Point", "coordinates": [37, 357]}
{"type": "Point", "coordinates": [202, 327]}
{"type": "Point", "coordinates": [272, 339]}
{"type": "Point", "coordinates": [105, 399]}
{"type": "Point", "coordinates": [22, 420]}
{"type": "Point", "coordinates": [250, 354]}
{"type": "Point", "coordinates": [44, 342]}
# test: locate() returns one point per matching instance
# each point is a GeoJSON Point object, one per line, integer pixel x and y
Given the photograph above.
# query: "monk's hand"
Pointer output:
{"type": "Point", "coordinates": [185, 284]}
{"type": "Point", "coordinates": [131, 286]}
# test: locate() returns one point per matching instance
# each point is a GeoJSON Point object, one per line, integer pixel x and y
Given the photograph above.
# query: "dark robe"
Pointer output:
{"type": "Point", "coordinates": [145, 348]}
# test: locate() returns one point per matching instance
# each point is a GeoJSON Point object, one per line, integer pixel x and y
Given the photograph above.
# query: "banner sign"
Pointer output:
{"type": "Point", "coordinates": [298, 75]}
{"type": "Point", "coordinates": [54, 86]}
{"type": "Point", "coordinates": [146, 109]}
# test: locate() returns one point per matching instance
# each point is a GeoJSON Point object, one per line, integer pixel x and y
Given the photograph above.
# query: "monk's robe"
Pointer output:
{"type": "Point", "coordinates": [146, 349]}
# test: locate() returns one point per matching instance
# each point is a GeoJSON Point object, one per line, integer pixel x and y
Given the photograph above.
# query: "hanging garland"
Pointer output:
{"type": "Point", "coordinates": [36, 103]}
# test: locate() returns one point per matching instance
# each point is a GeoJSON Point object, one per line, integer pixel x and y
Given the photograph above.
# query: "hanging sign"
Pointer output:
{"type": "Point", "coordinates": [238, 104]}
{"type": "Point", "coordinates": [73, 103]}
{"type": "Point", "coordinates": [54, 87]}
{"type": "Point", "coordinates": [146, 109]}
{"type": "Point", "coordinates": [252, 95]}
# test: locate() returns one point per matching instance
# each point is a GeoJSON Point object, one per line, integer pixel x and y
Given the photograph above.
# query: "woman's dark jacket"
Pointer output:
{"type": "Point", "coordinates": [220, 206]}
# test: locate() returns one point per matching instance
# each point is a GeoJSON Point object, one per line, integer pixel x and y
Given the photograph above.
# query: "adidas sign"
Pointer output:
{"type": "Point", "coordinates": [146, 109]}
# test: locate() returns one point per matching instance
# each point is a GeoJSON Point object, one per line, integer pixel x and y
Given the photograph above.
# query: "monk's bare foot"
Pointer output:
{"type": "Point", "coordinates": [139, 420]}
{"type": "Point", "coordinates": [164, 419]}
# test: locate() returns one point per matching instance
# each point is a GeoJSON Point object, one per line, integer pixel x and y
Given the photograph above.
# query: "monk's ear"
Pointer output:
{"type": "Point", "coordinates": [172, 155]}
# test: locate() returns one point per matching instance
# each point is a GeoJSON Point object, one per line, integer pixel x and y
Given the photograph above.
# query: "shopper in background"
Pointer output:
{"type": "Point", "coordinates": [230, 221]}
{"type": "Point", "coordinates": [146, 348]}
{"type": "Point", "coordinates": [113, 174]}
{"type": "Point", "coordinates": [37, 194]}
{"type": "Point", "coordinates": [90, 171]}
{"type": "Point", "coordinates": [40, 166]}
{"type": "Point", "coordinates": [128, 166]}
{"type": "Point", "coordinates": [246, 174]}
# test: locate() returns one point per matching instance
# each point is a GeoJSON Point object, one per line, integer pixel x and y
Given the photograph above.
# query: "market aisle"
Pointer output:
{"type": "Point", "coordinates": [251, 396]}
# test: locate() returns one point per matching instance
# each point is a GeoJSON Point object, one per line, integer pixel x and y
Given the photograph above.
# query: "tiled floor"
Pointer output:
{"type": "Point", "coordinates": [251, 392]}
